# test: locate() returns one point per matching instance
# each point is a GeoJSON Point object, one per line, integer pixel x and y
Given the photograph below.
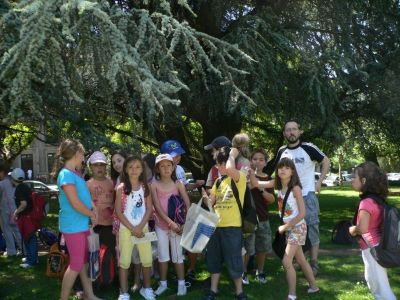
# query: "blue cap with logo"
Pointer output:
{"type": "Point", "coordinates": [172, 147]}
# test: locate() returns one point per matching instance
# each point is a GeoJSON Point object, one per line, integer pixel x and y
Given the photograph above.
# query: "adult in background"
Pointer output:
{"type": "Point", "coordinates": [8, 225]}
{"type": "Point", "coordinates": [27, 227]}
{"type": "Point", "coordinates": [306, 156]}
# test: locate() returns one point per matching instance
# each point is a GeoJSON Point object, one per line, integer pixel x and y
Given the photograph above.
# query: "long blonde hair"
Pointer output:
{"type": "Point", "coordinates": [67, 149]}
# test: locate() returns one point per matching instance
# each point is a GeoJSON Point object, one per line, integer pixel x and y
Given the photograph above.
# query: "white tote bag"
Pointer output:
{"type": "Point", "coordinates": [199, 226]}
{"type": "Point", "coordinates": [94, 255]}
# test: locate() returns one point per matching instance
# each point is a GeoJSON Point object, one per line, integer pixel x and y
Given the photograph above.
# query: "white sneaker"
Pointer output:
{"type": "Point", "coordinates": [181, 290]}
{"type": "Point", "coordinates": [161, 289]}
{"type": "Point", "coordinates": [245, 279]}
{"type": "Point", "coordinates": [147, 293]}
{"type": "Point", "coordinates": [124, 296]}
{"type": "Point", "coordinates": [24, 259]}
{"type": "Point", "coordinates": [25, 265]}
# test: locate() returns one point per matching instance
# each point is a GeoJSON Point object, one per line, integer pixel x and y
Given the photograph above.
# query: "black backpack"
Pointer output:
{"type": "Point", "coordinates": [248, 210]}
{"type": "Point", "coordinates": [107, 267]}
{"type": "Point", "coordinates": [387, 253]}
{"type": "Point", "coordinates": [341, 234]}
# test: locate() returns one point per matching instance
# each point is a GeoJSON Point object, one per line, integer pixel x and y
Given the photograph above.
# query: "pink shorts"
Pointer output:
{"type": "Point", "coordinates": [77, 245]}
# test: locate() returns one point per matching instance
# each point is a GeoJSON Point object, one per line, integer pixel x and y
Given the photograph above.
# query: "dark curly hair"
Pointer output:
{"type": "Point", "coordinates": [294, 180]}
{"type": "Point", "coordinates": [373, 179]}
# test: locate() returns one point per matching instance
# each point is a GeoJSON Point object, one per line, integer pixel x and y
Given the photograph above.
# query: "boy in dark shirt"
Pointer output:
{"type": "Point", "coordinates": [23, 202]}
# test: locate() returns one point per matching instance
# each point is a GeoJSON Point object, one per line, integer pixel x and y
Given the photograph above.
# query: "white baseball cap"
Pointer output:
{"type": "Point", "coordinates": [164, 156]}
{"type": "Point", "coordinates": [97, 157]}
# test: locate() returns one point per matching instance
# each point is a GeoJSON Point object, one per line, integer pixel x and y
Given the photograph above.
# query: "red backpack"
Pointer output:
{"type": "Point", "coordinates": [38, 211]}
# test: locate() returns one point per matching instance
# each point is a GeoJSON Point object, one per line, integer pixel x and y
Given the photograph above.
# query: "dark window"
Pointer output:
{"type": "Point", "coordinates": [26, 162]}
{"type": "Point", "coordinates": [50, 161]}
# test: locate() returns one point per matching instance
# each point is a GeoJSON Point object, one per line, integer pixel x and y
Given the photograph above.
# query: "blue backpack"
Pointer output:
{"type": "Point", "coordinates": [2, 242]}
{"type": "Point", "coordinates": [47, 236]}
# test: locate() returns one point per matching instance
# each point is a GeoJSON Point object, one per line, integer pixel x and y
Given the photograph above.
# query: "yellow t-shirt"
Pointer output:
{"type": "Point", "coordinates": [225, 205]}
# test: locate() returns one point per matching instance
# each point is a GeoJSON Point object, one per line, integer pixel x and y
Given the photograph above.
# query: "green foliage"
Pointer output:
{"type": "Point", "coordinates": [14, 139]}
{"type": "Point", "coordinates": [138, 72]}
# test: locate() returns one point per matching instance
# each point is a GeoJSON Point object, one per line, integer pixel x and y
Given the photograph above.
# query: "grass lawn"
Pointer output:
{"type": "Point", "coordinates": [341, 275]}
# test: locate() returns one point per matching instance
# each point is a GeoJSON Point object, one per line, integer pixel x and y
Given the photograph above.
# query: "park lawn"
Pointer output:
{"type": "Point", "coordinates": [341, 275]}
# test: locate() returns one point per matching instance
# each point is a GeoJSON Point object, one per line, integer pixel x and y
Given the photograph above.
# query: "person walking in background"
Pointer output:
{"type": "Point", "coordinates": [74, 215]}
{"type": "Point", "coordinates": [102, 192]}
{"type": "Point", "coordinates": [27, 227]}
{"type": "Point", "coordinates": [288, 184]}
{"type": "Point", "coordinates": [29, 172]}
{"type": "Point", "coordinates": [305, 156]}
{"type": "Point", "coordinates": [133, 207]}
{"type": "Point", "coordinates": [168, 231]}
{"type": "Point", "coordinates": [371, 182]}
{"type": "Point", "coordinates": [9, 227]}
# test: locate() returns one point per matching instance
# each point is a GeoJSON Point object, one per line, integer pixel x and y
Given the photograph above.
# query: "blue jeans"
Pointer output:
{"type": "Point", "coordinates": [31, 246]}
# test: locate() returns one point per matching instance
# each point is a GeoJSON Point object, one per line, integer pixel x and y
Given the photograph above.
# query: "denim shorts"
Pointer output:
{"type": "Point", "coordinates": [260, 241]}
{"type": "Point", "coordinates": [225, 245]}
{"type": "Point", "coordinates": [312, 217]}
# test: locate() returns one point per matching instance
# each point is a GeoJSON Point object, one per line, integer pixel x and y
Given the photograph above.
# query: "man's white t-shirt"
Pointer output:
{"type": "Point", "coordinates": [304, 156]}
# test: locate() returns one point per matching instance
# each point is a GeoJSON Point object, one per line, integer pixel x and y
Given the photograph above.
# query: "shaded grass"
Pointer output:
{"type": "Point", "coordinates": [341, 276]}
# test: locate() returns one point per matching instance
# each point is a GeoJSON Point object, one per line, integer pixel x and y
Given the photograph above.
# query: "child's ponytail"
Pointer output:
{"type": "Point", "coordinates": [67, 149]}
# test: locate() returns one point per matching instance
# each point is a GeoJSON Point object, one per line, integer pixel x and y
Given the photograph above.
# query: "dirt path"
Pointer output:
{"type": "Point", "coordinates": [339, 252]}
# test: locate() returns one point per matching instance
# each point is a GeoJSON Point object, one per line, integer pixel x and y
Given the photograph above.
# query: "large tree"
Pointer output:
{"type": "Point", "coordinates": [193, 70]}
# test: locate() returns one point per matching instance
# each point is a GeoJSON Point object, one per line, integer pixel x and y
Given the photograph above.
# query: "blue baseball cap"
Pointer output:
{"type": "Point", "coordinates": [172, 147]}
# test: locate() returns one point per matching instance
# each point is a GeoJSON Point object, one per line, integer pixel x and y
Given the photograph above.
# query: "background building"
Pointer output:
{"type": "Point", "coordinates": [39, 158]}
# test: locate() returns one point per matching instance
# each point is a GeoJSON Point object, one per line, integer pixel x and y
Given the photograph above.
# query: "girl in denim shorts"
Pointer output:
{"type": "Point", "coordinates": [294, 225]}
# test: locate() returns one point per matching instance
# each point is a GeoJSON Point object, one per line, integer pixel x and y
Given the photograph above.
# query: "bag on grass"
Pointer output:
{"type": "Point", "coordinates": [340, 233]}
{"type": "Point", "coordinates": [2, 242]}
{"type": "Point", "coordinates": [57, 261]}
{"type": "Point", "coordinates": [200, 225]}
{"type": "Point", "coordinates": [94, 255]}
{"type": "Point", "coordinates": [47, 236]}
